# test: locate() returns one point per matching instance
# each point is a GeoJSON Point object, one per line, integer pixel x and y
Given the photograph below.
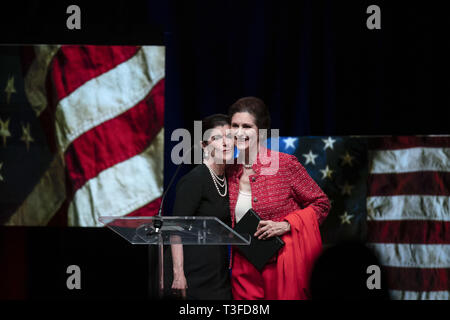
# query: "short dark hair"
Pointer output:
{"type": "Point", "coordinates": [256, 107]}
{"type": "Point", "coordinates": [214, 120]}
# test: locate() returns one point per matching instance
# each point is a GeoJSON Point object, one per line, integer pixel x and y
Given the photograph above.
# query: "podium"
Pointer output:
{"type": "Point", "coordinates": [186, 230]}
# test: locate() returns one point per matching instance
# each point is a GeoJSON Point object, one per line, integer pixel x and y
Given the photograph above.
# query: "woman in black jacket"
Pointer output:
{"type": "Point", "coordinates": [201, 272]}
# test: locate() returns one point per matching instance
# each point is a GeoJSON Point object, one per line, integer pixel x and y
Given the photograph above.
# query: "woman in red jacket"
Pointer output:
{"type": "Point", "coordinates": [287, 199]}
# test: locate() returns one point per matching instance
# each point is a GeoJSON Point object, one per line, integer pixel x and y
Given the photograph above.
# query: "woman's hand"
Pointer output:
{"type": "Point", "coordinates": [179, 283]}
{"type": "Point", "coordinates": [268, 228]}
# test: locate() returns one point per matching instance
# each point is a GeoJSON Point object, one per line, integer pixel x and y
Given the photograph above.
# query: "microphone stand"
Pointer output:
{"type": "Point", "coordinates": [157, 225]}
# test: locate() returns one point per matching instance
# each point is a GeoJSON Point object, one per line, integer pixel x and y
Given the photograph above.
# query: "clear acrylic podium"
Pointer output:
{"type": "Point", "coordinates": [160, 231]}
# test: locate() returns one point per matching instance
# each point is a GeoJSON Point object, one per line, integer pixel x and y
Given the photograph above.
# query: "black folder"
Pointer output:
{"type": "Point", "coordinates": [258, 252]}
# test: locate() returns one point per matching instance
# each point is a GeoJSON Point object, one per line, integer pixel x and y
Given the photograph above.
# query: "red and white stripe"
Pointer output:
{"type": "Point", "coordinates": [102, 108]}
{"type": "Point", "coordinates": [408, 214]}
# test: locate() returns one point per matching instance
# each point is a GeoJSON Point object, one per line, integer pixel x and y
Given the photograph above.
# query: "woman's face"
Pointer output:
{"type": "Point", "coordinates": [220, 144]}
{"type": "Point", "coordinates": [244, 130]}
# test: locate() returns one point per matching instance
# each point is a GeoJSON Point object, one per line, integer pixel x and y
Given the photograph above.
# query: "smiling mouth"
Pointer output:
{"type": "Point", "coordinates": [241, 139]}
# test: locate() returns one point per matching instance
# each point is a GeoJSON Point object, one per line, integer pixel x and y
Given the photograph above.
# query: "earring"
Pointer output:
{"type": "Point", "coordinates": [206, 154]}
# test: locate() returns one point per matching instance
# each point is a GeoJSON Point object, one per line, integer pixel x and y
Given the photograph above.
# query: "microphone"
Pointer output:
{"type": "Point", "coordinates": [157, 223]}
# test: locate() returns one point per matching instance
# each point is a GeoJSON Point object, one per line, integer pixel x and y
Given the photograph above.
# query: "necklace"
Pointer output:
{"type": "Point", "coordinates": [216, 182]}
{"type": "Point", "coordinates": [217, 176]}
{"type": "Point", "coordinates": [247, 166]}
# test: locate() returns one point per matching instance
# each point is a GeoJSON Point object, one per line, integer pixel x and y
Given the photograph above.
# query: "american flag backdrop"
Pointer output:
{"type": "Point", "coordinates": [81, 136]}
{"type": "Point", "coordinates": [81, 133]}
{"type": "Point", "coordinates": [408, 214]}
{"type": "Point", "coordinates": [391, 193]}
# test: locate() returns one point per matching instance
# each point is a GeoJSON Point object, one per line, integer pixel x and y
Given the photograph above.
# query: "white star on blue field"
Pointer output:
{"type": "Point", "coordinates": [285, 144]}
{"type": "Point", "coordinates": [339, 166]}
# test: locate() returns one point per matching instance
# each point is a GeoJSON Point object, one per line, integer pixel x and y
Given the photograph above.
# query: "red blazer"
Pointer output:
{"type": "Point", "coordinates": [289, 194]}
{"type": "Point", "coordinates": [275, 196]}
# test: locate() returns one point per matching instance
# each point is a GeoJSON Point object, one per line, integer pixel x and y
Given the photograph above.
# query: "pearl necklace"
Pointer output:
{"type": "Point", "coordinates": [216, 181]}
{"type": "Point", "coordinates": [248, 166]}
{"type": "Point", "coordinates": [219, 179]}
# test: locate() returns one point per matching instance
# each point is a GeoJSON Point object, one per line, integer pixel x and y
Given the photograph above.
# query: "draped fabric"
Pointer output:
{"type": "Point", "coordinates": [296, 259]}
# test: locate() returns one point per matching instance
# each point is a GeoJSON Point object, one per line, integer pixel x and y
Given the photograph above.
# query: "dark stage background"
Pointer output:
{"type": "Point", "coordinates": [314, 63]}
